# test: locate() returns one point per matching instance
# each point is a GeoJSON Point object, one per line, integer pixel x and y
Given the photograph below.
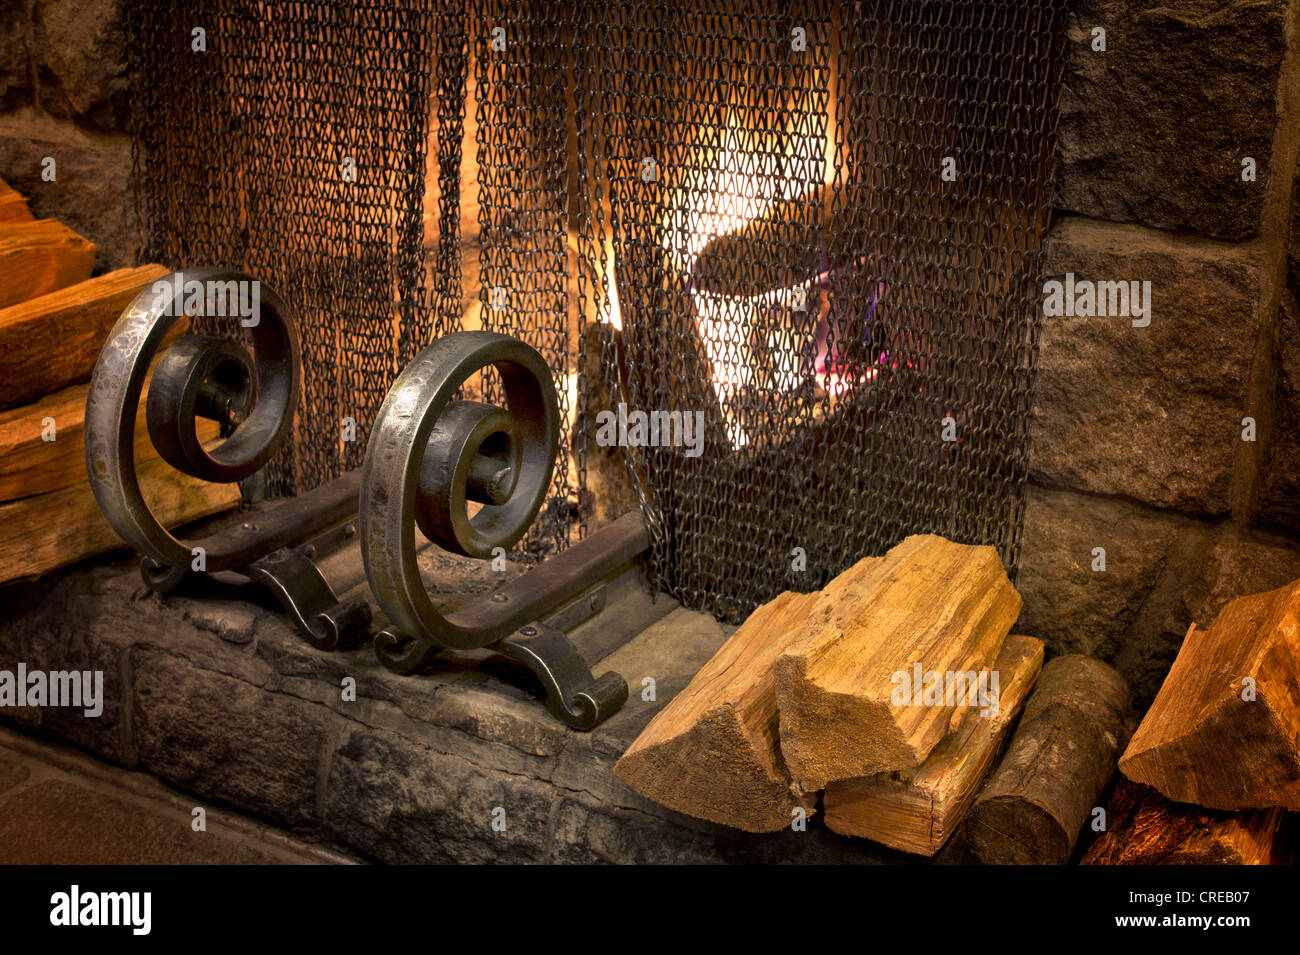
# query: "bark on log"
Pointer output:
{"type": "Point", "coordinates": [713, 751]}
{"type": "Point", "coordinates": [1224, 730]}
{"type": "Point", "coordinates": [851, 698]}
{"type": "Point", "coordinates": [52, 341]}
{"type": "Point", "coordinates": [39, 257]}
{"type": "Point", "coordinates": [1061, 757]}
{"type": "Point", "coordinates": [918, 810]}
{"type": "Point", "coordinates": [1144, 828]}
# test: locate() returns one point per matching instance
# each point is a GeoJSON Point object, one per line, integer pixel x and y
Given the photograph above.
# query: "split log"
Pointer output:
{"type": "Point", "coordinates": [31, 464]}
{"type": "Point", "coordinates": [13, 206]}
{"type": "Point", "coordinates": [1144, 828]}
{"type": "Point", "coordinates": [40, 533]}
{"type": "Point", "coordinates": [39, 257]}
{"type": "Point", "coordinates": [1224, 730]}
{"type": "Point", "coordinates": [918, 810]}
{"type": "Point", "coordinates": [52, 341]}
{"type": "Point", "coordinates": [1060, 758]}
{"type": "Point", "coordinates": [713, 752]}
{"type": "Point", "coordinates": [878, 678]}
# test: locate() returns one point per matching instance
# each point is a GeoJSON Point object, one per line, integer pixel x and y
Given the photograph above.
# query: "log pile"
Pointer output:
{"type": "Point", "coordinates": [891, 689]}
{"type": "Point", "coordinates": [53, 319]}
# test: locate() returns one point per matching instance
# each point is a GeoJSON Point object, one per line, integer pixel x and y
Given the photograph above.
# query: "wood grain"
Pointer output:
{"type": "Point", "coordinates": [40, 257]}
{"type": "Point", "coordinates": [13, 206]}
{"type": "Point", "coordinates": [52, 341]}
{"type": "Point", "coordinates": [1224, 730]}
{"type": "Point", "coordinates": [1144, 828]}
{"type": "Point", "coordinates": [31, 465]}
{"type": "Point", "coordinates": [918, 810]}
{"type": "Point", "coordinates": [713, 752]}
{"type": "Point", "coordinates": [930, 603]}
{"type": "Point", "coordinates": [40, 533]}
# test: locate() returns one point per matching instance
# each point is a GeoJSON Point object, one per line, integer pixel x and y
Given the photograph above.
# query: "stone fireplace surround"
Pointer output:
{"type": "Point", "coordinates": [1137, 449]}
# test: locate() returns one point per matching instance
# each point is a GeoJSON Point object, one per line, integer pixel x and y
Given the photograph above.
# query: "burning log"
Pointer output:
{"type": "Point", "coordinates": [918, 810]}
{"type": "Point", "coordinates": [876, 680]}
{"type": "Point", "coordinates": [1061, 757]}
{"type": "Point", "coordinates": [1143, 828]}
{"type": "Point", "coordinates": [52, 341]}
{"type": "Point", "coordinates": [1224, 730]}
{"type": "Point", "coordinates": [40, 257]}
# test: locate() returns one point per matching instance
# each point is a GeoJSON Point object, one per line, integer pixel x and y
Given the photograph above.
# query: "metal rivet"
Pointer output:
{"type": "Point", "coordinates": [499, 598]}
{"type": "Point", "coordinates": [528, 631]}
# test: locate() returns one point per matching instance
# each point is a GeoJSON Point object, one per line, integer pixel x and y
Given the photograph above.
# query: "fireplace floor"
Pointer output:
{"type": "Point", "coordinates": [60, 806]}
{"type": "Point", "coordinates": [220, 699]}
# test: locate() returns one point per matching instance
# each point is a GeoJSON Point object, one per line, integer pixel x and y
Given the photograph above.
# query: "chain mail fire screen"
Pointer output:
{"type": "Point", "coordinates": [803, 238]}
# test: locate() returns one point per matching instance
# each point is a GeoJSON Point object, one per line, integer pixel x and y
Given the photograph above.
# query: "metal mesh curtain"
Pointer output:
{"type": "Point", "coordinates": [813, 228]}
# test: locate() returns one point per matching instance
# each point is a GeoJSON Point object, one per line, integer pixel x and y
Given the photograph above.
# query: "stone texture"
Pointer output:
{"type": "Point", "coordinates": [91, 193]}
{"type": "Point", "coordinates": [1154, 129]}
{"type": "Point", "coordinates": [1279, 480]}
{"type": "Point", "coordinates": [1237, 564]}
{"type": "Point", "coordinates": [15, 64]}
{"type": "Point", "coordinates": [1068, 605]}
{"type": "Point", "coordinates": [228, 619]}
{"type": "Point", "coordinates": [1153, 413]}
{"type": "Point", "coordinates": [80, 48]}
{"type": "Point", "coordinates": [399, 802]}
{"type": "Point", "coordinates": [12, 772]}
{"type": "Point", "coordinates": [226, 738]}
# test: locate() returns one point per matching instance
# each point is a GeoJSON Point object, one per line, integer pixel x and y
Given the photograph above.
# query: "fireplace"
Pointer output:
{"type": "Point", "coordinates": [806, 280]}
{"type": "Point", "coordinates": [814, 235]}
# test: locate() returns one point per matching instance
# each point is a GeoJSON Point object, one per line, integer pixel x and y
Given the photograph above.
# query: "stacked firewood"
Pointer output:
{"type": "Point", "coordinates": [1216, 759]}
{"type": "Point", "coordinates": [53, 320]}
{"type": "Point", "coordinates": [892, 692]}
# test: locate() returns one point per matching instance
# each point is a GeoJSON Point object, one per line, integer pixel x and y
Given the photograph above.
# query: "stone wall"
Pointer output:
{"type": "Point", "coordinates": [63, 95]}
{"type": "Point", "coordinates": [1139, 446]}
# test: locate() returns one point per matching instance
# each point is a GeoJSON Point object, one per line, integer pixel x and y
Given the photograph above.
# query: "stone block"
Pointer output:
{"type": "Point", "coordinates": [1148, 413]}
{"type": "Point", "coordinates": [1154, 129]}
{"type": "Point", "coordinates": [1068, 604]}
{"type": "Point", "coordinates": [226, 738]}
{"type": "Point", "coordinates": [399, 802]}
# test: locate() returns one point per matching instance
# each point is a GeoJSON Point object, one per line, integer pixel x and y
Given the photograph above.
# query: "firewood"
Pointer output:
{"type": "Point", "coordinates": [50, 342]}
{"type": "Point", "coordinates": [918, 810]}
{"type": "Point", "coordinates": [1224, 730]}
{"type": "Point", "coordinates": [39, 257]}
{"type": "Point", "coordinates": [13, 206]}
{"type": "Point", "coordinates": [1058, 762]}
{"type": "Point", "coordinates": [1144, 828]}
{"type": "Point", "coordinates": [31, 463]}
{"type": "Point", "coordinates": [40, 533]}
{"type": "Point", "coordinates": [713, 751]}
{"type": "Point", "coordinates": [857, 693]}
